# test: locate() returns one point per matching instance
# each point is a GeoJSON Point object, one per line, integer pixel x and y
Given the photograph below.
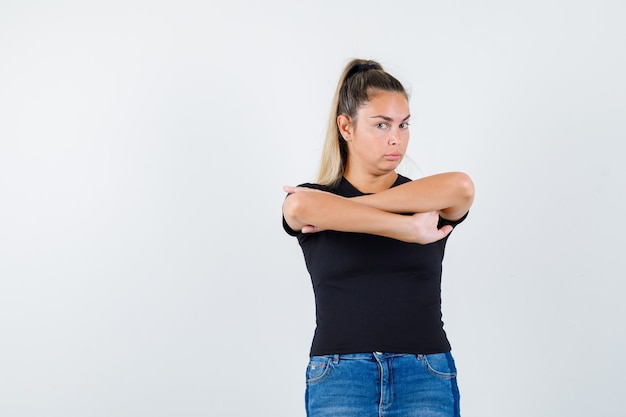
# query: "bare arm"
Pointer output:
{"type": "Point", "coordinates": [451, 194]}
{"type": "Point", "coordinates": [310, 210]}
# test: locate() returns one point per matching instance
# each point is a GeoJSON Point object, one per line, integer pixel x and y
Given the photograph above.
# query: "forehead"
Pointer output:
{"type": "Point", "coordinates": [387, 103]}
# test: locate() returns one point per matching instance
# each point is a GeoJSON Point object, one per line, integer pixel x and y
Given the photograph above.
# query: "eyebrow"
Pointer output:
{"type": "Point", "coordinates": [388, 119]}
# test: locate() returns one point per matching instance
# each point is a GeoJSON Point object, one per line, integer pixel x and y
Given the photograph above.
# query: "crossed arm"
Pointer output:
{"type": "Point", "coordinates": [449, 195]}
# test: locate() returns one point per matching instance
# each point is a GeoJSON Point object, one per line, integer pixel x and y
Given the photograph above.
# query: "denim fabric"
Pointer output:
{"type": "Point", "coordinates": [382, 385]}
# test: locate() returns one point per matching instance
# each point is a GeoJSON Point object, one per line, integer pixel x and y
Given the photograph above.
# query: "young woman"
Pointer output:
{"type": "Point", "coordinates": [373, 243]}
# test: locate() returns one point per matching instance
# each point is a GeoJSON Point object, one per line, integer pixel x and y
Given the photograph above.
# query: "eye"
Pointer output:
{"type": "Point", "coordinates": [382, 125]}
{"type": "Point", "coordinates": [404, 125]}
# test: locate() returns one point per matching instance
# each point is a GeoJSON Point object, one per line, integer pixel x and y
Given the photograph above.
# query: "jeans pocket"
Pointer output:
{"type": "Point", "coordinates": [440, 365]}
{"type": "Point", "coordinates": [318, 369]}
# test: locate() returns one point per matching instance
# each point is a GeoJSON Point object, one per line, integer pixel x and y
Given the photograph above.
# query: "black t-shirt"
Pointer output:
{"type": "Point", "coordinates": [373, 293]}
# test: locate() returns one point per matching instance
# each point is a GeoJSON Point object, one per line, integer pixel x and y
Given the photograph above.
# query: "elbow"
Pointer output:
{"type": "Point", "coordinates": [461, 198]}
{"type": "Point", "coordinates": [464, 191]}
{"type": "Point", "coordinates": [292, 206]}
{"type": "Point", "coordinates": [295, 210]}
{"type": "Point", "coordinates": [465, 186]}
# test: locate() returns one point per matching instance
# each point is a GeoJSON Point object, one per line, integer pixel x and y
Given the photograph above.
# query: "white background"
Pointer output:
{"type": "Point", "coordinates": [143, 145]}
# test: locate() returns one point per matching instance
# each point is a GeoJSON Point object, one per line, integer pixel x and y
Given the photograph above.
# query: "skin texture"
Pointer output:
{"type": "Point", "coordinates": [377, 140]}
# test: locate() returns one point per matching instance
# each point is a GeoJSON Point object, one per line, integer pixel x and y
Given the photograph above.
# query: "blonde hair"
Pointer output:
{"type": "Point", "coordinates": [359, 78]}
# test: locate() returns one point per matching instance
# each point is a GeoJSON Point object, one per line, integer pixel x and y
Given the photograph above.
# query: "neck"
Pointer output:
{"type": "Point", "coordinates": [368, 183]}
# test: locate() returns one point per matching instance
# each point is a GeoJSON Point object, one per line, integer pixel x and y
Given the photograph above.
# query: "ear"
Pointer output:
{"type": "Point", "coordinates": [344, 123]}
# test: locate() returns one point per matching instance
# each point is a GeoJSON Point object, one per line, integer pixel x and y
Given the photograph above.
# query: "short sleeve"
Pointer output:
{"type": "Point", "coordinates": [453, 223]}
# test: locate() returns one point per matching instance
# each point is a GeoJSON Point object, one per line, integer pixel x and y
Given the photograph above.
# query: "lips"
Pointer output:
{"type": "Point", "coordinates": [393, 156]}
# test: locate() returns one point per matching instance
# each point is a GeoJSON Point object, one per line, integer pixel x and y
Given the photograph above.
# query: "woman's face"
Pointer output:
{"type": "Point", "coordinates": [379, 135]}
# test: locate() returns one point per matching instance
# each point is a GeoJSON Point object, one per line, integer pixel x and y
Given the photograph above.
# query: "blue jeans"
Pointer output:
{"type": "Point", "coordinates": [382, 385]}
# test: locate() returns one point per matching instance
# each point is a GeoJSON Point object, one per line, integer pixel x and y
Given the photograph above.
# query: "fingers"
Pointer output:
{"type": "Point", "coordinates": [290, 189]}
{"type": "Point", "coordinates": [446, 230]}
{"type": "Point", "coordinates": [310, 229]}
{"type": "Point", "coordinates": [427, 230]}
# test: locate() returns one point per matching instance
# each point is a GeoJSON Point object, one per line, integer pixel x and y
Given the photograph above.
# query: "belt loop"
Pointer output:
{"type": "Point", "coordinates": [336, 359]}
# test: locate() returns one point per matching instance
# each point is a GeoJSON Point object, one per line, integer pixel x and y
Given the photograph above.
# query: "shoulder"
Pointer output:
{"type": "Point", "coordinates": [401, 180]}
{"type": "Point", "coordinates": [316, 186]}
{"type": "Point", "coordinates": [342, 188]}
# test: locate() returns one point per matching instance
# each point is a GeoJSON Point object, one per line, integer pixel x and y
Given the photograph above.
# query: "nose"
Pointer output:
{"type": "Point", "coordinates": [393, 137]}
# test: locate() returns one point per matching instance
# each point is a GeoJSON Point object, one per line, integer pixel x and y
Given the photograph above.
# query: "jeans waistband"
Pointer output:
{"type": "Point", "coordinates": [364, 356]}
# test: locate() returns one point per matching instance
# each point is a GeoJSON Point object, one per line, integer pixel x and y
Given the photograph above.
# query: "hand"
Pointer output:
{"type": "Point", "coordinates": [425, 229]}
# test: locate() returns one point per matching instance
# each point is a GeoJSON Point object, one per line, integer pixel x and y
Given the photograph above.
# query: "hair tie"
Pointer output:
{"type": "Point", "coordinates": [360, 68]}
